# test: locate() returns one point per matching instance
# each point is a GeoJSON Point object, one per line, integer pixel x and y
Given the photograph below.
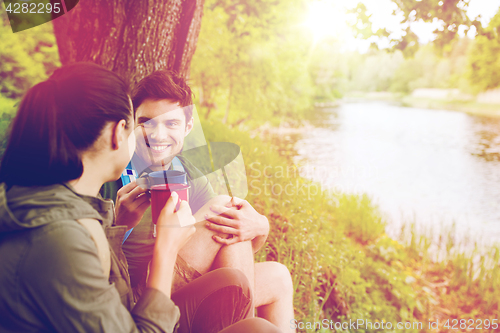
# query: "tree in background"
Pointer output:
{"type": "Point", "coordinates": [26, 58]}
{"type": "Point", "coordinates": [328, 69]}
{"type": "Point", "coordinates": [252, 62]}
{"type": "Point", "coordinates": [484, 70]}
{"type": "Point", "coordinates": [386, 70]}
{"type": "Point", "coordinates": [451, 14]}
{"type": "Point", "coordinates": [131, 38]}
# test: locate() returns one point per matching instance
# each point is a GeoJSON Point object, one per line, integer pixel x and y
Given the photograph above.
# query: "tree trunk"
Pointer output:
{"type": "Point", "coordinates": [132, 38]}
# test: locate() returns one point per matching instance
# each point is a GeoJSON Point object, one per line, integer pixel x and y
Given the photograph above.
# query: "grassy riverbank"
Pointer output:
{"type": "Point", "coordinates": [470, 107]}
{"type": "Point", "coordinates": [343, 264]}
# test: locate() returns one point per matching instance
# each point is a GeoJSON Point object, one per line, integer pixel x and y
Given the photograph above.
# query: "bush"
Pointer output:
{"type": "Point", "coordinates": [26, 58]}
{"type": "Point", "coordinates": [8, 109]}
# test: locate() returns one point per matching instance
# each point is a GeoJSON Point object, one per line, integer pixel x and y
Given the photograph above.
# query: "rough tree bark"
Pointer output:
{"type": "Point", "coordinates": [131, 37]}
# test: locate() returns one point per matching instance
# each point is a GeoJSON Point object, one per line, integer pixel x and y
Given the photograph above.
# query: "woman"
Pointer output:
{"type": "Point", "coordinates": [58, 273]}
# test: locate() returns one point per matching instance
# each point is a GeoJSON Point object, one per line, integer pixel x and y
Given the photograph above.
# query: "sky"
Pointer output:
{"type": "Point", "coordinates": [326, 18]}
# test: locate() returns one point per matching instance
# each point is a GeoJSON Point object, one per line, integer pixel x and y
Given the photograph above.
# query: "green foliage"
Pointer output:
{"type": "Point", "coordinates": [26, 57]}
{"type": "Point", "coordinates": [7, 112]}
{"type": "Point", "coordinates": [374, 71]}
{"type": "Point", "coordinates": [251, 62]}
{"type": "Point", "coordinates": [408, 44]}
{"type": "Point", "coordinates": [361, 218]}
{"type": "Point", "coordinates": [450, 13]}
{"type": "Point", "coordinates": [484, 64]}
{"type": "Point", "coordinates": [380, 70]}
{"type": "Point", "coordinates": [362, 26]}
{"type": "Point", "coordinates": [407, 72]}
{"type": "Point", "coordinates": [469, 273]}
{"type": "Point", "coordinates": [327, 67]}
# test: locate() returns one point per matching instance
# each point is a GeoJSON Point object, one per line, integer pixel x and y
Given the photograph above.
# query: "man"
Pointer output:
{"type": "Point", "coordinates": [230, 231]}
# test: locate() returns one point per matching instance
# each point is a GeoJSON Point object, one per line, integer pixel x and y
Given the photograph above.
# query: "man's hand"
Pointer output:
{"type": "Point", "coordinates": [239, 219]}
{"type": "Point", "coordinates": [131, 203]}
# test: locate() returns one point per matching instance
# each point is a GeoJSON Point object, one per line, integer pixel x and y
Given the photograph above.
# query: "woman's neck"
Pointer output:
{"type": "Point", "coordinates": [90, 182]}
{"type": "Point", "coordinates": [86, 185]}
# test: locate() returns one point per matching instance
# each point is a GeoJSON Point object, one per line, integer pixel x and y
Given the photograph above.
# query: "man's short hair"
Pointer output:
{"type": "Point", "coordinates": [164, 84]}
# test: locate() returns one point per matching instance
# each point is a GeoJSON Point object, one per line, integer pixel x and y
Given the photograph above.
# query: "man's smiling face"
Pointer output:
{"type": "Point", "coordinates": [161, 129]}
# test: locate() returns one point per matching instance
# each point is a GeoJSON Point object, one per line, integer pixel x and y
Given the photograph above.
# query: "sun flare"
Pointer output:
{"type": "Point", "coordinates": [327, 18]}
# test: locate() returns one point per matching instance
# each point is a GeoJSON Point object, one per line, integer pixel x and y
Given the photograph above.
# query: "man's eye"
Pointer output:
{"type": "Point", "coordinates": [173, 123]}
{"type": "Point", "coordinates": [147, 124]}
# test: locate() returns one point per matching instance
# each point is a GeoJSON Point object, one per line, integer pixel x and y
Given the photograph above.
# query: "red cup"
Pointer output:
{"type": "Point", "coordinates": [161, 193]}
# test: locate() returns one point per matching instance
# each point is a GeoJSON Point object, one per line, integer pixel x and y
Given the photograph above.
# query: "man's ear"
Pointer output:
{"type": "Point", "coordinates": [189, 126]}
{"type": "Point", "coordinates": [118, 134]}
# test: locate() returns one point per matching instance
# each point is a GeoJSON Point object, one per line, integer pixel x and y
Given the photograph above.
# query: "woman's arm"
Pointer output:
{"type": "Point", "coordinates": [62, 274]}
{"type": "Point", "coordinates": [171, 237]}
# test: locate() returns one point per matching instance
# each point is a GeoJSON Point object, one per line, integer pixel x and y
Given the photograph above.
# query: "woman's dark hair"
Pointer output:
{"type": "Point", "coordinates": [164, 84]}
{"type": "Point", "coordinates": [59, 118]}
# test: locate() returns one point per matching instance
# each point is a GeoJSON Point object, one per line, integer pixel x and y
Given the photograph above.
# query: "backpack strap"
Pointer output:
{"type": "Point", "coordinates": [177, 165]}
{"type": "Point", "coordinates": [128, 176]}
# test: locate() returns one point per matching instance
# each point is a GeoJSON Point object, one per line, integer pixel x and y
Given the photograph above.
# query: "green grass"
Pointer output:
{"type": "Point", "coordinates": [465, 274]}
{"type": "Point", "coordinates": [343, 264]}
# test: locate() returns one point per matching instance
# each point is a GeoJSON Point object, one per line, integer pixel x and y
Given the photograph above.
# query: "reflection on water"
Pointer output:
{"type": "Point", "coordinates": [433, 166]}
{"type": "Point", "coordinates": [487, 142]}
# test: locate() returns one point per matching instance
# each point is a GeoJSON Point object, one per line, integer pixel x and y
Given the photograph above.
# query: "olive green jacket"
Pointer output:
{"type": "Point", "coordinates": [51, 278]}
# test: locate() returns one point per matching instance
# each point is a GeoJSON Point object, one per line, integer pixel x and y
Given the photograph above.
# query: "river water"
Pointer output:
{"type": "Point", "coordinates": [432, 167]}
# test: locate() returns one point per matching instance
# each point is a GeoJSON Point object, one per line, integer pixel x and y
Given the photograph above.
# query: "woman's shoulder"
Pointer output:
{"type": "Point", "coordinates": [62, 233]}
{"type": "Point", "coordinates": [42, 222]}
{"type": "Point", "coordinates": [41, 205]}
{"type": "Point", "coordinates": [57, 252]}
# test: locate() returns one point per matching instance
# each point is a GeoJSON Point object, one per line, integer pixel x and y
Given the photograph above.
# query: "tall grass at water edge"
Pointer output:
{"type": "Point", "coordinates": [343, 264]}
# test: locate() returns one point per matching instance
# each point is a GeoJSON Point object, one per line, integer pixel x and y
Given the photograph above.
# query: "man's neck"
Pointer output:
{"type": "Point", "coordinates": [142, 166]}
{"type": "Point", "coordinates": [160, 167]}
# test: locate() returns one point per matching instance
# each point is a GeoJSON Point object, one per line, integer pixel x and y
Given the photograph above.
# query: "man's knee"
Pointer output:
{"type": "Point", "coordinates": [282, 275]}
{"type": "Point", "coordinates": [233, 277]}
{"type": "Point", "coordinates": [252, 325]}
{"type": "Point", "coordinates": [221, 200]}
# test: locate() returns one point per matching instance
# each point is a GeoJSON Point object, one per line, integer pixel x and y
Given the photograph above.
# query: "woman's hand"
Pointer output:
{"type": "Point", "coordinates": [171, 237]}
{"type": "Point", "coordinates": [168, 228]}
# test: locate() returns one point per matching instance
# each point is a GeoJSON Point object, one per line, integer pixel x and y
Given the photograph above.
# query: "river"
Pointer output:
{"type": "Point", "coordinates": [432, 167]}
